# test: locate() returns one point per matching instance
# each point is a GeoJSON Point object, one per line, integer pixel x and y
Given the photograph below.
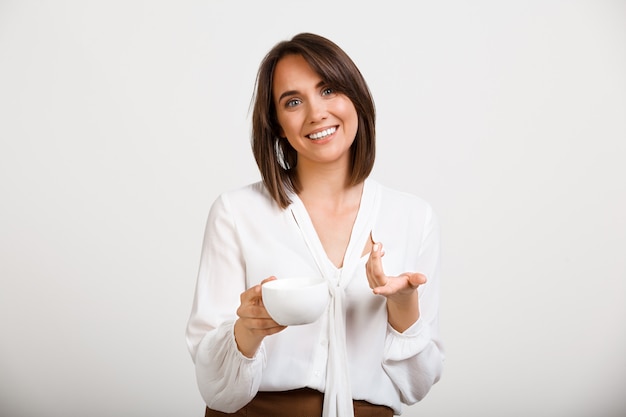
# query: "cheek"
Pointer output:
{"type": "Point", "coordinates": [350, 117]}
{"type": "Point", "coordinates": [281, 126]}
{"type": "Point", "coordinates": [287, 124]}
{"type": "Point", "coordinates": [345, 106]}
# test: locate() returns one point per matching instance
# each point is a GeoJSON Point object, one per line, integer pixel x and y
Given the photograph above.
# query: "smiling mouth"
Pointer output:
{"type": "Point", "coordinates": [324, 133]}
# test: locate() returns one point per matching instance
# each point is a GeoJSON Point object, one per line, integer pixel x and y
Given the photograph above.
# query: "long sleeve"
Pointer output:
{"type": "Point", "coordinates": [227, 380]}
{"type": "Point", "coordinates": [413, 360]}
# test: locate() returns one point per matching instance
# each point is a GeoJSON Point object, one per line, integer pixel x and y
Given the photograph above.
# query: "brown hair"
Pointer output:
{"type": "Point", "coordinates": [276, 158]}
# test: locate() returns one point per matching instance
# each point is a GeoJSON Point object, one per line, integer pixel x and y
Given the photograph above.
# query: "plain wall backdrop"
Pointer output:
{"type": "Point", "coordinates": [121, 121]}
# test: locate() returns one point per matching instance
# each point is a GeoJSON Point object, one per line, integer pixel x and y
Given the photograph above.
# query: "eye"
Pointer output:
{"type": "Point", "coordinates": [292, 102]}
{"type": "Point", "coordinates": [327, 91]}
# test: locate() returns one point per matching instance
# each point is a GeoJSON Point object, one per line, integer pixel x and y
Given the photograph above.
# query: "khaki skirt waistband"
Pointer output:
{"type": "Point", "coordinates": [303, 402]}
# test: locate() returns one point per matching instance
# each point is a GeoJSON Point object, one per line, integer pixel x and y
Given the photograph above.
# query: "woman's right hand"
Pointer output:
{"type": "Point", "coordinates": [254, 322]}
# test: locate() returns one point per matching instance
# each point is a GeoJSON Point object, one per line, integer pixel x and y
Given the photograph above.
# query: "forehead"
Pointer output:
{"type": "Point", "coordinates": [292, 72]}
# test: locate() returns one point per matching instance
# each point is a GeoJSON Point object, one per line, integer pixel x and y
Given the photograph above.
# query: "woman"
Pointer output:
{"type": "Point", "coordinates": [316, 212]}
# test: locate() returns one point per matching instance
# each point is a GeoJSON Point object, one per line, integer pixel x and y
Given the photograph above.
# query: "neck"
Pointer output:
{"type": "Point", "coordinates": [327, 185]}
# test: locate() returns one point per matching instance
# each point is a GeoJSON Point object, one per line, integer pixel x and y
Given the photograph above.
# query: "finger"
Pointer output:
{"type": "Point", "coordinates": [273, 330]}
{"type": "Point", "coordinates": [409, 281]}
{"type": "Point", "coordinates": [261, 328]}
{"type": "Point", "coordinates": [382, 291]}
{"type": "Point", "coordinates": [268, 279]}
{"type": "Point", "coordinates": [261, 324]}
{"type": "Point", "coordinates": [416, 279]}
{"type": "Point", "coordinates": [390, 288]}
{"type": "Point", "coordinates": [249, 316]}
{"type": "Point", "coordinates": [374, 267]}
{"type": "Point", "coordinates": [374, 263]}
{"type": "Point", "coordinates": [252, 313]}
{"type": "Point", "coordinates": [251, 296]}
{"type": "Point", "coordinates": [394, 285]}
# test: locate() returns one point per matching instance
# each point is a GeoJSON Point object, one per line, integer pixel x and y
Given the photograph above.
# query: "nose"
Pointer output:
{"type": "Point", "coordinates": [317, 110]}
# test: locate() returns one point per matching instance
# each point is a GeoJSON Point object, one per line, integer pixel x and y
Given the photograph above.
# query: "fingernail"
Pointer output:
{"type": "Point", "coordinates": [375, 248]}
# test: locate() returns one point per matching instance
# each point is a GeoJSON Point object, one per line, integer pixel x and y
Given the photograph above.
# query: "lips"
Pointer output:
{"type": "Point", "coordinates": [322, 134]}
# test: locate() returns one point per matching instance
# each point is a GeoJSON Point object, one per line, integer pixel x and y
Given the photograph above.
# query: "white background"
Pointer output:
{"type": "Point", "coordinates": [121, 121]}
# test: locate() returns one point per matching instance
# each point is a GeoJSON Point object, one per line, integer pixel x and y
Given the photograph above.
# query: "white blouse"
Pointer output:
{"type": "Point", "coordinates": [351, 352]}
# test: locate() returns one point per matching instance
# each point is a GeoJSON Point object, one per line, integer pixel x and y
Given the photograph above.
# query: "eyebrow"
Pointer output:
{"type": "Point", "coordinates": [295, 92]}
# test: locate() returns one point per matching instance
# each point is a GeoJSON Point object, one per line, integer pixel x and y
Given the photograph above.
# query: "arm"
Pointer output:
{"type": "Point", "coordinates": [414, 355]}
{"type": "Point", "coordinates": [227, 379]}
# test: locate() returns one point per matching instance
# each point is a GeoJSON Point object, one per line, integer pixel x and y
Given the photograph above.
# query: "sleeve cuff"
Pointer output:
{"type": "Point", "coordinates": [400, 346]}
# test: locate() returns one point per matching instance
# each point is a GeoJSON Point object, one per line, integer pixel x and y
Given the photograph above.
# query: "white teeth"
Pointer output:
{"type": "Point", "coordinates": [323, 133]}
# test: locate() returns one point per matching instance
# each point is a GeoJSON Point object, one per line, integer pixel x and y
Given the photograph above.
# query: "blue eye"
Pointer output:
{"type": "Point", "coordinates": [292, 103]}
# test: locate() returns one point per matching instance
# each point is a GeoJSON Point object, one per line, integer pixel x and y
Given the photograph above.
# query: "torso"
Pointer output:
{"type": "Point", "coordinates": [334, 228]}
{"type": "Point", "coordinates": [334, 231]}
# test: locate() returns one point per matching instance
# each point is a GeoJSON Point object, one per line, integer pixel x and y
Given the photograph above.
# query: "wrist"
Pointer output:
{"type": "Point", "coordinates": [402, 301]}
{"type": "Point", "coordinates": [403, 310]}
{"type": "Point", "coordinates": [247, 343]}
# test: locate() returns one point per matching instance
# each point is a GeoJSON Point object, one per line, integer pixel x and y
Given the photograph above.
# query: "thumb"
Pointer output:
{"type": "Point", "coordinates": [416, 279]}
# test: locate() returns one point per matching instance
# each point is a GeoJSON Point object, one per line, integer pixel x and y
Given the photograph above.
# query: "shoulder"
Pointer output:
{"type": "Point", "coordinates": [255, 191]}
{"type": "Point", "coordinates": [395, 199]}
{"type": "Point", "coordinates": [404, 219]}
{"type": "Point", "coordinates": [252, 197]}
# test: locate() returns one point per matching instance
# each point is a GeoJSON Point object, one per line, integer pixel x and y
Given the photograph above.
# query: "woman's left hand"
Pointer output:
{"type": "Point", "coordinates": [388, 286]}
{"type": "Point", "coordinates": [400, 291]}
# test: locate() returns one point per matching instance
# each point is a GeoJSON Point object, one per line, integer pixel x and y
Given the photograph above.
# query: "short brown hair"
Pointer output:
{"type": "Point", "coordinates": [276, 158]}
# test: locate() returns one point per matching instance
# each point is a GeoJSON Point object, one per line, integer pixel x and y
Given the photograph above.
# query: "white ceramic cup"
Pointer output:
{"type": "Point", "coordinates": [295, 301]}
